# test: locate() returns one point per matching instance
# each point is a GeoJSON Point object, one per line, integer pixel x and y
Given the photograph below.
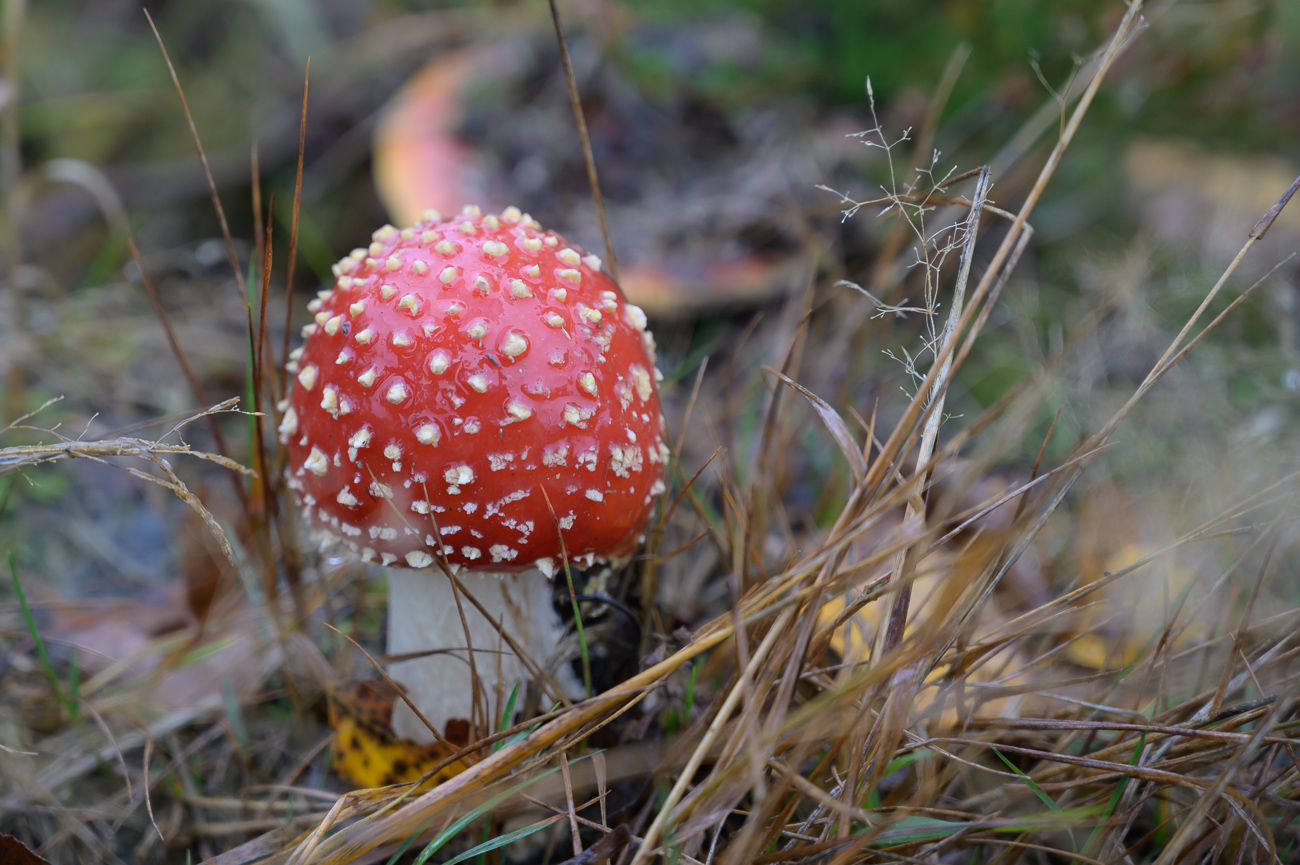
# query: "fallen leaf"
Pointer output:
{"type": "Point", "coordinates": [365, 750]}
{"type": "Point", "coordinates": [104, 634]}
{"type": "Point", "coordinates": [233, 660]}
{"type": "Point", "coordinates": [15, 852]}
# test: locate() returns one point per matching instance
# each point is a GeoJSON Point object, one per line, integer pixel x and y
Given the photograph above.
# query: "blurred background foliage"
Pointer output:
{"type": "Point", "coordinates": [92, 85]}
{"type": "Point", "coordinates": [1215, 78]}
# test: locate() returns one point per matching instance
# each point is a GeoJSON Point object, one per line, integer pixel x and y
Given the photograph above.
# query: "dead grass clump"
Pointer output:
{"type": "Point", "coordinates": [880, 664]}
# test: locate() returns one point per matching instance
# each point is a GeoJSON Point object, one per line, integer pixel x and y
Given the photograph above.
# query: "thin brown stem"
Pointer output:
{"type": "Point", "coordinates": [587, 155]}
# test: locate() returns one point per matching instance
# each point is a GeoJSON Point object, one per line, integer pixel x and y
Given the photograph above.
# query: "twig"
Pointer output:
{"type": "Point", "coordinates": [15, 458]}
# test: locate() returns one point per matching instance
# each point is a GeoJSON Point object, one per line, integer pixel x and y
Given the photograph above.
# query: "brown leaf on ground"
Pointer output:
{"type": "Point", "coordinates": [233, 660]}
{"type": "Point", "coordinates": [15, 852]}
{"type": "Point", "coordinates": [103, 635]}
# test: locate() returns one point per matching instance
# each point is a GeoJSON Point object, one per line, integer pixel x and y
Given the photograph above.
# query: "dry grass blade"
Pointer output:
{"type": "Point", "coordinates": [182, 358]}
{"type": "Point", "coordinates": [603, 849]}
{"type": "Point", "coordinates": [906, 563]}
{"type": "Point", "coordinates": [885, 735]}
{"type": "Point", "coordinates": [1038, 462]}
{"type": "Point", "coordinates": [1273, 532]}
{"type": "Point", "coordinates": [148, 796]}
{"type": "Point", "coordinates": [1266, 221]}
{"type": "Point", "coordinates": [1172, 355]}
{"type": "Point", "coordinates": [291, 268]}
{"type": "Point", "coordinates": [258, 338]}
{"type": "Point", "coordinates": [568, 800]}
{"type": "Point", "coordinates": [398, 689]}
{"type": "Point", "coordinates": [207, 171]}
{"type": "Point", "coordinates": [588, 157]}
{"type": "Point", "coordinates": [17, 458]}
{"type": "Point", "coordinates": [647, 848]}
{"type": "Point", "coordinates": [905, 428]}
{"type": "Point", "coordinates": [355, 840]}
{"type": "Point", "coordinates": [833, 422]}
{"type": "Point", "coordinates": [76, 766]}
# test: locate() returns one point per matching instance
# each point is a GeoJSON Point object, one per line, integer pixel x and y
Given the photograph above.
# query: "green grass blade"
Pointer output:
{"type": "Point", "coordinates": [74, 684]}
{"type": "Point", "coordinates": [401, 851]}
{"type": "Point", "coordinates": [582, 634]}
{"type": "Point", "coordinates": [506, 716]}
{"type": "Point", "coordinates": [1040, 793]}
{"type": "Point", "coordinates": [67, 702]}
{"type": "Point", "coordinates": [1114, 798]}
{"type": "Point", "coordinates": [912, 829]}
{"type": "Point", "coordinates": [690, 692]}
{"type": "Point", "coordinates": [916, 828]}
{"type": "Point", "coordinates": [502, 840]}
{"type": "Point", "coordinates": [455, 828]}
{"type": "Point", "coordinates": [873, 798]}
{"type": "Point", "coordinates": [524, 734]}
{"type": "Point", "coordinates": [233, 715]}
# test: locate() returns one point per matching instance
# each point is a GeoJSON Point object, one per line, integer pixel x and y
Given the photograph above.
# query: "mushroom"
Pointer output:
{"type": "Point", "coordinates": [475, 397]}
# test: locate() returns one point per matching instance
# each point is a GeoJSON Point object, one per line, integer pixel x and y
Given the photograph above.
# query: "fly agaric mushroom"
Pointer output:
{"type": "Point", "coordinates": [475, 392]}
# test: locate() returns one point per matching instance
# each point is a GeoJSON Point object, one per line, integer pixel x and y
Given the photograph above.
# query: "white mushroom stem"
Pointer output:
{"type": "Point", "coordinates": [423, 617]}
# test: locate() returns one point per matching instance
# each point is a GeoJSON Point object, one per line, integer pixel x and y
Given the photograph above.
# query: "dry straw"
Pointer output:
{"type": "Point", "coordinates": [875, 751]}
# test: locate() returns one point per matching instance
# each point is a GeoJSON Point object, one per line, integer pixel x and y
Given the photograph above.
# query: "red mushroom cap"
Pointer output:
{"type": "Point", "coordinates": [456, 370]}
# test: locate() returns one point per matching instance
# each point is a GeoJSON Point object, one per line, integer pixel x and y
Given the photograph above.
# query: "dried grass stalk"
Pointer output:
{"type": "Point", "coordinates": [17, 458]}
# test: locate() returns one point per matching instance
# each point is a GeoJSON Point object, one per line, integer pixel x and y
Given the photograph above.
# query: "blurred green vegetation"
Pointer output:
{"type": "Point", "coordinates": [1225, 70]}
{"type": "Point", "coordinates": [93, 86]}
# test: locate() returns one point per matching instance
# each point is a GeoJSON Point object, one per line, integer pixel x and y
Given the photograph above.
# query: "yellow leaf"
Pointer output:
{"type": "Point", "coordinates": [365, 750]}
{"type": "Point", "coordinates": [852, 642]}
